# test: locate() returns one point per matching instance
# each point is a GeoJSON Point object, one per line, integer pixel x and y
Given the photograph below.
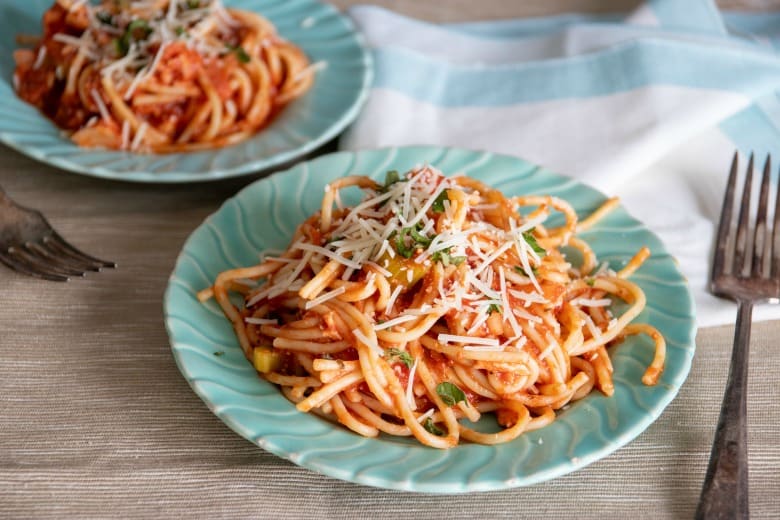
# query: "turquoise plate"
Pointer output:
{"type": "Point", "coordinates": [310, 121]}
{"type": "Point", "coordinates": [265, 214]}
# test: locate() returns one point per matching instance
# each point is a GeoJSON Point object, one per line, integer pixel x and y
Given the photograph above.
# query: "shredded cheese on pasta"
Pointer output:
{"type": "Point", "coordinates": [437, 294]}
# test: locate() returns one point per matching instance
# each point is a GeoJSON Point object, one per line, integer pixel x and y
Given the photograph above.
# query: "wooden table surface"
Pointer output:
{"type": "Point", "coordinates": [96, 421]}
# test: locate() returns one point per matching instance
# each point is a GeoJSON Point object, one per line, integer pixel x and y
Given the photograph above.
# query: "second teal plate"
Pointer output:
{"type": "Point", "coordinates": [333, 102]}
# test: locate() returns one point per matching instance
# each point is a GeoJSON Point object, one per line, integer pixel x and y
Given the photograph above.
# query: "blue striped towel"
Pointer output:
{"type": "Point", "coordinates": [648, 105]}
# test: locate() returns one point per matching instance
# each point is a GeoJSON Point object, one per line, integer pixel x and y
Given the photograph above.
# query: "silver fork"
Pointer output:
{"type": "Point", "coordinates": [747, 271]}
{"type": "Point", "coordinates": [29, 245]}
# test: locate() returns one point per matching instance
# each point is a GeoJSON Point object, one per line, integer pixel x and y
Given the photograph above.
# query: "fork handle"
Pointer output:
{"type": "Point", "coordinates": [725, 490]}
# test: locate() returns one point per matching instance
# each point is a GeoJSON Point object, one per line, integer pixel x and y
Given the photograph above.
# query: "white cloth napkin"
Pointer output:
{"type": "Point", "coordinates": [649, 106]}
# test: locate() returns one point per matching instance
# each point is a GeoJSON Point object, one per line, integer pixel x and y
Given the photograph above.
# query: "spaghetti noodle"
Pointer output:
{"type": "Point", "coordinates": [435, 300]}
{"type": "Point", "coordinates": [159, 75]}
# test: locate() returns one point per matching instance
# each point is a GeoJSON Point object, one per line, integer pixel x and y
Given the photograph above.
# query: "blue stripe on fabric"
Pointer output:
{"type": "Point", "coordinates": [523, 27]}
{"type": "Point", "coordinates": [763, 24]}
{"type": "Point", "coordinates": [762, 29]}
{"type": "Point", "coordinates": [752, 131]}
{"type": "Point", "coordinates": [620, 68]}
{"type": "Point", "coordinates": [699, 16]}
{"type": "Point", "coordinates": [636, 32]}
{"type": "Point", "coordinates": [770, 105]}
{"type": "Point", "coordinates": [756, 128]}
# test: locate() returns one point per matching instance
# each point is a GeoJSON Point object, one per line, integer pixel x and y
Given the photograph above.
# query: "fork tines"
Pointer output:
{"type": "Point", "coordinates": [30, 245]}
{"type": "Point", "coordinates": [748, 248]}
{"type": "Point", "coordinates": [51, 258]}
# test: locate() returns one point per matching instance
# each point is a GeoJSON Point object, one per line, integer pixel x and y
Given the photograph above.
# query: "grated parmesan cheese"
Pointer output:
{"type": "Point", "coordinates": [410, 386]}
{"type": "Point", "coordinates": [590, 302]}
{"type": "Point", "coordinates": [310, 69]}
{"type": "Point", "coordinates": [40, 57]}
{"type": "Point", "coordinates": [370, 343]}
{"type": "Point", "coordinates": [391, 300]}
{"type": "Point", "coordinates": [325, 297]}
{"type": "Point", "coordinates": [139, 136]}
{"type": "Point", "coordinates": [104, 114]}
{"type": "Point", "coordinates": [395, 321]}
{"type": "Point", "coordinates": [421, 419]}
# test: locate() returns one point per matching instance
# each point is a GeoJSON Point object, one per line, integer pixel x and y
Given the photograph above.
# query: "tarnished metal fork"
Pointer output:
{"type": "Point", "coordinates": [29, 245]}
{"type": "Point", "coordinates": [745, 268]}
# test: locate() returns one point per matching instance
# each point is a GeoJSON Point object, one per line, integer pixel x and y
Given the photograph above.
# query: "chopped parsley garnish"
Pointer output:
{"type": "Point", "coordinates": [395, 354]}
{"type": "Point", "coordinates": [219, 353]}
{"type": "Point", "coordinates": [391, 178]}
{"type": "Point", "coordinates": [438, 204]}
{"type": "Point", "coordinates": [450, 393]}
{"type": "Point", "coordinates": [520, 270]}
{"type": "Point", "coordinates": [531, 240]}
{"type": "Point", "coordinates": [409, 239]}
{"type": "Point", "coordinates": [240, 53]}
{"type": "Point", "coordinates": [242, 56]}
{"type": "Point", "coordinates": [590, 281]}
{"type": "Point", "coordinates": [494, 307]}
{"type": "Point", "coordinates": [121, 46]}
{"type": "Point", "coordinates": [431, 427]}
{"type": "Point", "coordinates": [137, 30]}
{"type": "Point", "coordinates": [181, 31]}
{"type": "Point", "coordinates": [446, 258]}
{"type": "Point", "coordinates": [193, 4]}
{"type": "Point", "coordinates": [400, 244]}
{"type": "Point", "coordinates": [418, 237]}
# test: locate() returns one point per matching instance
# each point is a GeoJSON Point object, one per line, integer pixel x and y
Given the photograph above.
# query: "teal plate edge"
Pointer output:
{"type": "Point", "coordinates": [324, 34]}
{"type": "Point", "coordinates": [265, 214]}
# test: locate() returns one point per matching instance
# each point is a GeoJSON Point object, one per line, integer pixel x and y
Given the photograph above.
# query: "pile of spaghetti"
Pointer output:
{"type": "Point", "coordinates": [159, 75]}
{"type": "Point", "coordinates": [435, 300]}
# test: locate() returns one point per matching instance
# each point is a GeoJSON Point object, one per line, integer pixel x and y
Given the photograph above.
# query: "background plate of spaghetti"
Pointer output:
{"type": "Point", "coordinates": [264, 217]}
{"type": "Point", "coordinates": [219, 87]}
